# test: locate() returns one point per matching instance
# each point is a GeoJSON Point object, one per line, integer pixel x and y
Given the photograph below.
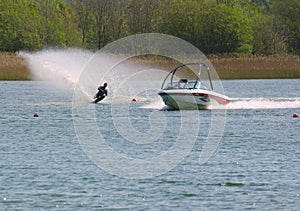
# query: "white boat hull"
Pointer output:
{"type": "Point", "coordinates": [192, 99]}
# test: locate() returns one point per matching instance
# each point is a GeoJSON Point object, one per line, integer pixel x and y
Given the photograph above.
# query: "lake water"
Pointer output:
{"type": "Point", "coordinates": [256, 165]}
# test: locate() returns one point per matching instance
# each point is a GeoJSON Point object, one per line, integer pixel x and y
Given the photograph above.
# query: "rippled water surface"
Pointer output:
{"type": "Point", "coordinates": [256, 165]}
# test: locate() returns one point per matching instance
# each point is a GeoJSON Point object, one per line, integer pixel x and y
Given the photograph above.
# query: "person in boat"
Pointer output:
{"type": "Point", "coordinates": [102, 93]}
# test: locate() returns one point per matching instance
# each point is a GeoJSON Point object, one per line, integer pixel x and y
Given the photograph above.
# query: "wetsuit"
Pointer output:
{"type": "Point", "coordinates": [101, 94]}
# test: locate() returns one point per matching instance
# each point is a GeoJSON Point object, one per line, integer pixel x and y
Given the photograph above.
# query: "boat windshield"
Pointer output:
{"type": "Point", "coordinates": [185, 84]}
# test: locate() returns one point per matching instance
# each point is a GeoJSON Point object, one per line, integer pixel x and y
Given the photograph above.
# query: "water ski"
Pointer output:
{"type": "Point", "coordinates": [99, 99]}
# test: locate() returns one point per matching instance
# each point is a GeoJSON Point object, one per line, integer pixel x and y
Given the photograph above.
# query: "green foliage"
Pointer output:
{"type": "Point", "coordinates": [227, 30]}
{"type": "Point", "coordinates": [56, 25]}
{"type": "Point", "coordinates": [214, 26]}
{"type": "Point", "coordinates": [180, 18]}
{"type": "Point", "coordinates": [17, 26]}
{"type": "Point", "coordinates": [287, 16]}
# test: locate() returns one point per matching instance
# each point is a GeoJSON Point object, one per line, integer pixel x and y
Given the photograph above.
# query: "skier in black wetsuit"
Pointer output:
{"type": "Point", "coordinates": [101, 94]}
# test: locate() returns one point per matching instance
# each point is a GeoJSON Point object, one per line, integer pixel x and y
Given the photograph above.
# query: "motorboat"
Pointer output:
{"type": "Point", "coordinates": [182, 93]}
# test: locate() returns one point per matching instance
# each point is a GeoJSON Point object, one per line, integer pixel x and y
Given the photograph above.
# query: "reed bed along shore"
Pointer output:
{"type": "Point", "coordinates": [230, 67]}
{"type": "Point", "coordinates": [14, 67]}
{"type": "Point", "coordinates": [257, 67]}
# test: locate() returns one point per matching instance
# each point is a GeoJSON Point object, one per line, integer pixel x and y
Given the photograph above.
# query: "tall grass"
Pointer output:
{"type": "Point", "coordinates": [13, 67]}
{"type": "Point", "coordinates": [246, 67]}
{"type": "Point", "coordinates": [257, 67]}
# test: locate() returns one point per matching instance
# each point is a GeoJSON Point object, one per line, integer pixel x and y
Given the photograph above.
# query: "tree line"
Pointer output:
{"type": "Point", "coordinates": [261, 27]}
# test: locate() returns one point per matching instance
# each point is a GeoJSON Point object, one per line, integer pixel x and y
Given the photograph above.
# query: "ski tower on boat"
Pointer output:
{"type": "Point", "coordinates": [190, 94]}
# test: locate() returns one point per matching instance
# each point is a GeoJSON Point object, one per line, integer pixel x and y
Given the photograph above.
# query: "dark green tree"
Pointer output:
{"type": "Point", "coordinates": [18, 28]}
{"type": "Point", "coordinates": [227, 30]}
{"type": "Point", "coordinates": [287, 23]}
{"type": "Point", "coordinates": [57, 25]}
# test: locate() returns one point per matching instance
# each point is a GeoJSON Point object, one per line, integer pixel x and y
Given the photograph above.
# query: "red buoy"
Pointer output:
{"type": "Point", "coordinates": [296, 115]}
{"type": "Point", "coordinates": [133, 100]}
{"type": "Point", "coordinates": [36, 115]}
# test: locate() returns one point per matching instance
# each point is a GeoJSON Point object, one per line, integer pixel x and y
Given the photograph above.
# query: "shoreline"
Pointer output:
{"type": "Point", "coordinates": [258, 67]}
{"type": "Point", "coordinates": [14, 67]}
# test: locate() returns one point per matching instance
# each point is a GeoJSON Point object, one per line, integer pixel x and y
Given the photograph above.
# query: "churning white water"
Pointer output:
{"type": "Point", "coordinates": [263, 103]}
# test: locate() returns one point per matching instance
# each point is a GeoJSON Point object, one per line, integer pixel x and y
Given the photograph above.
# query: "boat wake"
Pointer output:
{"type": "Point", "coordinates": [263, 103]}
{"type": "Point", "coordinates": [242, 104]}
{"type": "Point", "coordinates": [157, 104]}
